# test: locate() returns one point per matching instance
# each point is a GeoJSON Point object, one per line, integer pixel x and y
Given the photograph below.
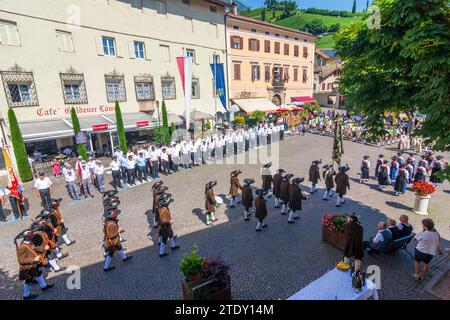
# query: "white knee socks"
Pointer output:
{"type": "Point", "coordinates": [54, 265]}
{"type": "Point", "coordinates": [66, 239]}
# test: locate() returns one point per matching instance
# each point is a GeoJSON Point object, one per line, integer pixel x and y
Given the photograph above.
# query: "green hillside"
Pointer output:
{"type": "Point", "coordinates": [300, 19]}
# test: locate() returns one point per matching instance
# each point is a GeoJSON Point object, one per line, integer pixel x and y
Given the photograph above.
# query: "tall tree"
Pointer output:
{"type": "Point", "coordinates": [400, 65]}
{"type": "Point", "coordinates": [20, 152]}
{"type": "Point", "coordinates": [354, 6]}
{"type": "Point", "coordinates": [263, 14]}
{"type": "Point", "coordinates": [367, 5]}
{"type": "Point", "coordinates": [81, 148]}
{"type": "Point", "coordinates": [120, 129]}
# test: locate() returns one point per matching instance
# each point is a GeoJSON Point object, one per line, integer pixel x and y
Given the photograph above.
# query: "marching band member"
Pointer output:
{"type": "Point", "coordinates": [112, 239]}
{"type": "Point", "coordinates": [277, 179]}
{"type": "Point", "coordinates": [328, 176]}
{"type": "Point", "coordinates": [210, 202]}
{"type": "Point", "coordinates": [234, 186]}
{"type": "Point", "coordinates": [421, 172]}
{"type": "Point", "coordinates": [284, 192]}
{"type": "Point", "coordinates": [260, 209]}
{"type": "Point", "coordinates": [267, 179]}
{"type": "Point", "coordinates": [165, 229]}
{"type": "Point", "coordinates": [295, 199]}
{"type": "Point", "coordinates": [383, 175]}
{"type": "Point", "coordinates": [247, 197]}
{"type": "Point", "coordinates": [29, 262]}
{"type": "Point", "coordinates": [314, 174]}
{"type": "Point", "coordinates": [378, 164]}
{"type": "Point", "coordinates": [342, 184]}
{"type": "Point", "coordinates": [401, 181]}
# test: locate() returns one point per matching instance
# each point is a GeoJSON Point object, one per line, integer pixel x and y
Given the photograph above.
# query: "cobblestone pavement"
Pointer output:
{"type": "Point", "coordinates": [272, 264]}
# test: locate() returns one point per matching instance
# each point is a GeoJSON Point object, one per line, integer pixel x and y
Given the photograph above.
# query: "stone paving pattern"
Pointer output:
{"type": "Point", "coordinates": [273, 264]}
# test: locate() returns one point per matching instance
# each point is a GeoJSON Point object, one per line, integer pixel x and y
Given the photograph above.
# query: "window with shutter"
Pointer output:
{"type": "Point", "coordinates": [64, 40]}
{"type": "Point", "coordinates": [295, 74]}
{"type": "Point", "coordinates": [267, 46]}
{"type": "Point", "coordinates": [305, 75]}
{"type": "Point", "coordinates": [237, 71]}
{"type": "Point", "coordinates": [296, 51]}
{"type": "Point", "coordinates": [323, 86]}
{"type": "Point", "coordinates": [305, 52]}
{"type": "Point", "coordinates": [165, 53]}
{"type": "Point", "coordinates": [286, 49]}
{"type": "Point", "coordinates": [236, 42]}
{"type": "Point", "coordinates": [277, 47]}
{"type": "Point", "coordinates": [286, 73]}
{"type": "Point", "coordinates": [267, 73]}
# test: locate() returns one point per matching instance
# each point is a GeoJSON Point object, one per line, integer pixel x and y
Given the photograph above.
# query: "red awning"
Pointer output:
{"type": "Point", "coordinates": [304, 99]}
{"type": "Point", "coordinates": [283, 109]}
{"type": "Point", "coordinates": [298, 109]}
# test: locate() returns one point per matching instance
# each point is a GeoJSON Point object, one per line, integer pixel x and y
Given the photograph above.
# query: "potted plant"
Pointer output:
{"type": "Point", "coordinates": [205, 279]}
{"type": "Point", "coordinates": [423, 190]}
{"type": "Point", "coordinates": [332, 230]}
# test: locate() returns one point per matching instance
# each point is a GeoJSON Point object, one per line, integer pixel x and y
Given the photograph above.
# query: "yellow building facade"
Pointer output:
{"type": "Point", "coordinates": [268, 65]}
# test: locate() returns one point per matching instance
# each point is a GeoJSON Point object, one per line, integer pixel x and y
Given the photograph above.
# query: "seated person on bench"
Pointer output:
{"type": "Point", "coordinates": [381, 241]}
{"type": "Point", "coordinates": [404, 228]}
{"type": "Point", "coordinates": [392, 227]}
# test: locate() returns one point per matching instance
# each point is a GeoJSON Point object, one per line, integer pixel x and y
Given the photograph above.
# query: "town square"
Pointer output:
{"type": "Point", "coordinates": [221, 154]}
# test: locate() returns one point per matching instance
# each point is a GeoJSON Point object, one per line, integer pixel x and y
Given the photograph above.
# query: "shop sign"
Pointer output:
{"type": "Point", "coordinates": [98, 127]}
{"type": "Point", "coordinates": [142, 123]}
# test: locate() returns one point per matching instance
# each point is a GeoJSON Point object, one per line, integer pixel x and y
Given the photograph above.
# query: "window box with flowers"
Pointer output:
{"type": "Point", "coordinates": [423, 190]}
{"type": "Point", "coordinates": [204, 279]}
{"type": "Point", "coordinates": [332, 230]}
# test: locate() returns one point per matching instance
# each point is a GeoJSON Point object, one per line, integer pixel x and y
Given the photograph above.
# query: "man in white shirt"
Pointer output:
{"type": "Point", "coordinates": [70, 177]}
{"type": "Point", "coordinates": [99, 172]}
{"type": "Point", "coordinates": [174, 156]}
{"type": "Point", "coordinates": [130, 165]}
{"type": "Point", "coordinates": [86, 180]}
{"type": "Point", "coordinates": [115, 171]}
{"type": "Point", "coordinates": [154, 162]}
{"type": "Point", "coordinates": [43, 187]}
{"type": "Point", "coordinates": [165, 161]}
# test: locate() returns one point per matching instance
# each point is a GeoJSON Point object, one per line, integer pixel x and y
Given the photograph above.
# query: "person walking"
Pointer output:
{"type": "Point", "coordinates": [86, 180]}
{"type": "Point", "coordinates": [43, 186]}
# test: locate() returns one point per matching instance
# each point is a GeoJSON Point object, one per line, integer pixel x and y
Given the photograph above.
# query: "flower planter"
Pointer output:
{"type": "Point", "coordinates": [421, 204]}
{"type": "Point", "coordinates": [335, 238]}
{"type": "Point", "coordinates": [222, 294]}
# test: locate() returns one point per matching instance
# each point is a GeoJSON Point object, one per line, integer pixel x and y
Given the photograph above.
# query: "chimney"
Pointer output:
{"type": "Point", "coordinates": [234, 8]}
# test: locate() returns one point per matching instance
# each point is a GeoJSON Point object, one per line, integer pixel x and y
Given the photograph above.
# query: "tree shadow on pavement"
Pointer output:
{"type": "Point", "coordinates": [398, 205]}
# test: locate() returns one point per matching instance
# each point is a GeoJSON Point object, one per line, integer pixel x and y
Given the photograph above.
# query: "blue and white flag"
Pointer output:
{"type": "Point", "coordinates": [219, 77]}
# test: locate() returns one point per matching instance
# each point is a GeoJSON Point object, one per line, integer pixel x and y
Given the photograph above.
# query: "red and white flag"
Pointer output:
{"type": "Point", "coordinates": [185, 68]}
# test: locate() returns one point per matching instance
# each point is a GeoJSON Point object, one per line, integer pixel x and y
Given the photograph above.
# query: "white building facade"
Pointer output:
{"type": "Point", "coordinates": [88, 54]}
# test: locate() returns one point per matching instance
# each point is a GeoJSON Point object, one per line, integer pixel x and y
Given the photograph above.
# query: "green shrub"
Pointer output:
{"type": "Point", "coordinates": [239, 120]}
{"type": "Point", "coordinates": [191, 263]}
{"type": "Point", "coordinates": [120, 129]}
{"type": "Point", "coordinates": [20, 152]}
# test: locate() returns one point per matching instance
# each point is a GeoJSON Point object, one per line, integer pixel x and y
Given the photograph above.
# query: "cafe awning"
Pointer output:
{"type": "Point", "coordinates": [304, 99]}
{"type": "Point", "coordinates": [251, 105]}
{"type": "Point", "coordinates": [135, 120]}
{"type": "Point", "coordinates": [44, 130]}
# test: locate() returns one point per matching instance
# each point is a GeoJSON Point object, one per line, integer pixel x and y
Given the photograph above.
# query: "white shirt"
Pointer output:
{"type": "Point", "coordinates": [85, 173]}
{"type": "Point", "coordinates": [91, 164]}
{"type": "Point", "coordinates": [153, 155]}
{"type": "Point", "coordinates": [114, 165]}
{"type": "Point", "coordinates": [69, 174]}
{"type": "Point", "coordinates": [164, 156]}
{"type": "Point", "coordinates": [130, 164]}
{"type": "Point", "coordinates": [428, 242]}
{"type": "Point", "coordinates": [99, 169]}
{"type": "Point", "coordinates": [379, 237]}
{"type": "Point", "coordinates": [42, 183]}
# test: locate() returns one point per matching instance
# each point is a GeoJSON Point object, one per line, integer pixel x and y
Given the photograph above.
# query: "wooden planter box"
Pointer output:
{"type": "Point", "coordinates": [222, 294]}
{"type": "Point", "coordinates": [335, 238]}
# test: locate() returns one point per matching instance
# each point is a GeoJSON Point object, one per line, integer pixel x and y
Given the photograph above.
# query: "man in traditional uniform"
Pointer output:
{"type": "Point", "coordinates": [354, 247]}
{"type": "Point", "coordinates": [234, 186]}
{"type": "Point", "coordinates": [210, 202]}
{"type": "Point", "coordinates": [42, 235]}
{"type": "Point", "coordinates": [266, 175]}
{"type": "Point", "coordinates": [112, 239]}
{"type": "Point", "coordinates": [314, 174]}
{"type": "Point", "coordinates": [284, 192]}
{"type": "Point", "coordinates": [295, 199]}
{"type": "Point", "coordinates": [158, 190]}
{"type": "Point", "coordinates": [165, 228]}
{"type": "Point", "coordinates": [342, 184]}
{"type": "Point", "coordinates": [57, 221]}
{"type": "Point", "coordinates": [328, 176]}
{"type": "Point", "coordinates": [247, 197]}
{"type": "Point", "coordinates": [378, 164]}
{"type": "Point", "coordinates": [29, 263]}
{"type": "Point", "coordinates": [277, 179]}
{"type": "Point", "coordinates": [365, 169]}
{"type": "Point", "coordinates": [260, 209]}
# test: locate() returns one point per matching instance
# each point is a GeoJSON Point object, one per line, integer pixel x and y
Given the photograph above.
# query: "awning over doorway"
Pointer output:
{"type": "Point", "coordinates": [251, 105]}
{"type": "Point", "coordinates": [304, 99]}
{"type": "Point", "coordinates": [43, 130]}
{"type": "Point", "coordinates": [135, 120]}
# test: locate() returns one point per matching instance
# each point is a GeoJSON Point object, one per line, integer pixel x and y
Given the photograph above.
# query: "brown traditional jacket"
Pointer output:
{"type": "Point", "coordinates": [277, 179]}
{"type": "Point", "coordinates": [314, 174]}
{"type": "Point", "coordinates": [165, 229]}
{"type": "Point", "coordinates": [234, 186]}
{"type": "Point", "coordinates": [284, 191]}
{"type": "Point", "coordinates": [28, 268]}
{"type": "Point", "coordinates": [260, 208]}
{"type": "Point", "coordinates": [210, 201]}
{"type": "Point", "coordinates": [247, 196]}
{"type": "Point", "coordinates": [295, 198]}
{"type": "Point", "coordinates": [267, 181]}
{"type": "Point", "coordinates": [329, 181]}
{"type": "Point", "coordinates": [342, 183]}
{"type": "Point", "coordinates": [112, 238]}
{"type": "Point", "coordinates": [353, 240]}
